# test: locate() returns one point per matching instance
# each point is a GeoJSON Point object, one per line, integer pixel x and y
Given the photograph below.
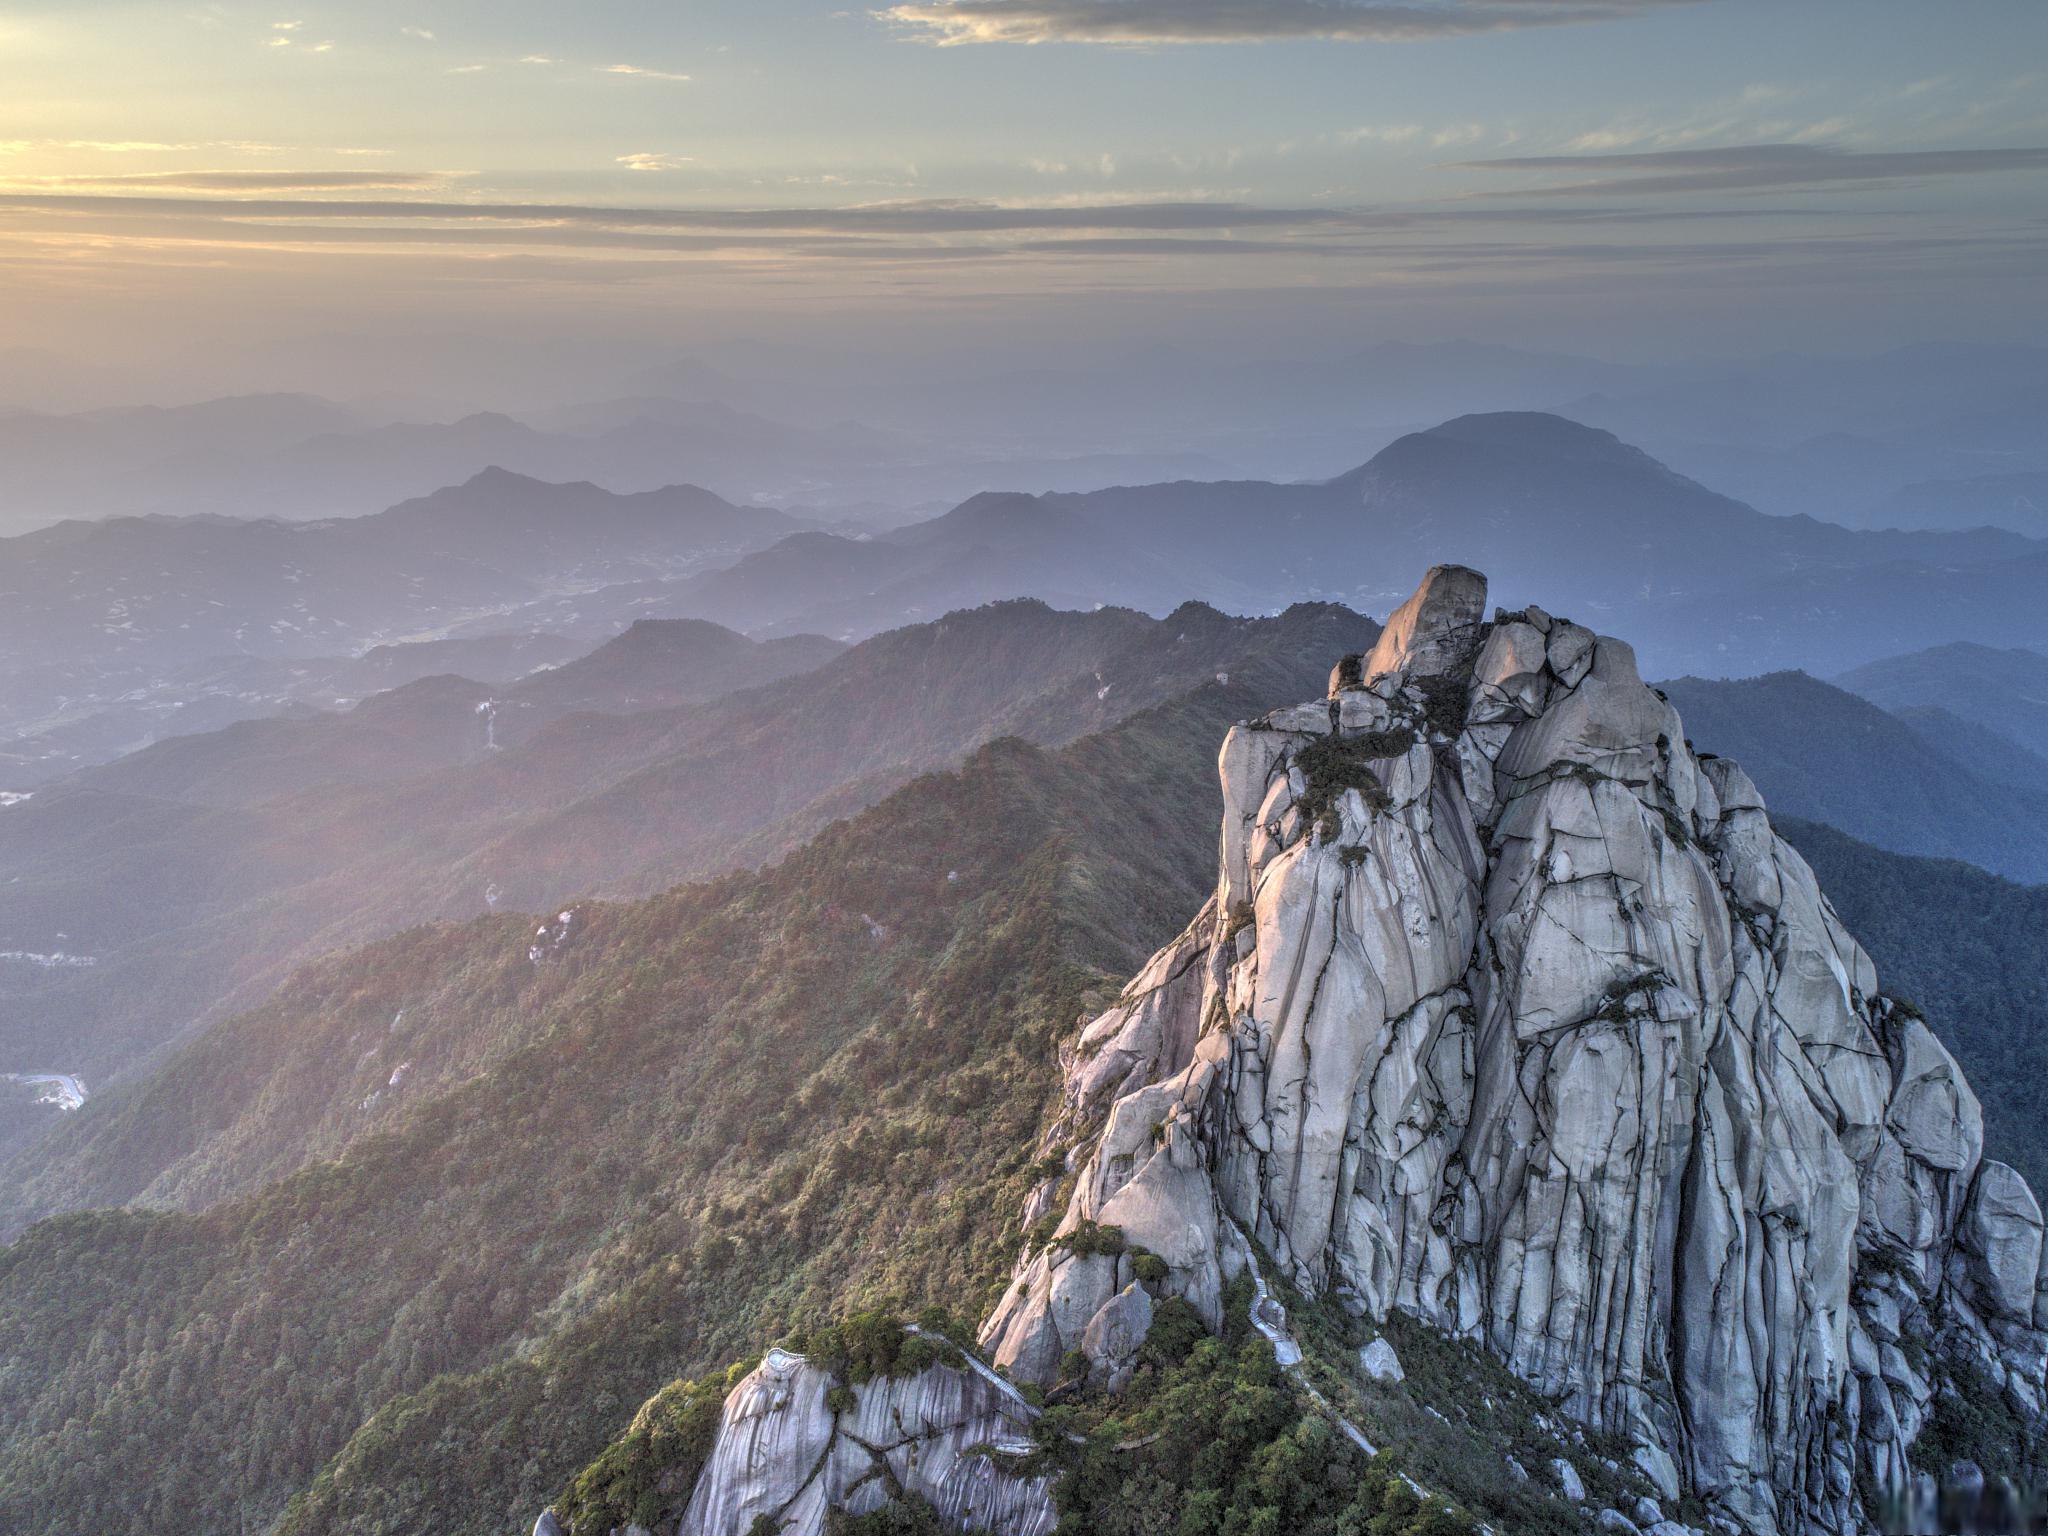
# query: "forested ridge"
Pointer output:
{"type": "Point", "coordinates": [724, 1112]}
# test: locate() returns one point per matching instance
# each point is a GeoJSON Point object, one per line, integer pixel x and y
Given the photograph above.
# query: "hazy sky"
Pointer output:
{"type": "Point", "coordinates": [1625, 177]}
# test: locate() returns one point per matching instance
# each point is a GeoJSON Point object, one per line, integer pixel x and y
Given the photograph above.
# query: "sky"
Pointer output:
{"type": "Point", "coordinates": [265, 190]}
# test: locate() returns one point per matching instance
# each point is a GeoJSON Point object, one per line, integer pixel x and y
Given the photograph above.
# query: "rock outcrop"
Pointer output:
{"type": "Point", "coordinates": [1512, 1012]}
{"type": "Point", "coordinates": [792, 1446]}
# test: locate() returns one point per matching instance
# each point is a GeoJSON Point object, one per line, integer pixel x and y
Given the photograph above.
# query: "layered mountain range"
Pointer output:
{"type": "Point", "coordinates": [1937, 435]}
{"type": "Point", "coordinates": [1550, 506]}
{"type": "Point", "coordinates": [302, 457]}
{"type": "Point", "coordinates": [509, 1187]}
{"type": "Point", "coordinates": [1510, 1014]}
{"type": "Point", "coordinates": [186, 588]}
{"type": "Point", "coordinates": [188, 878]}
{"type": "Point", "coordinates": [121, 632]}
{"type": "Point", "coordinates": [130, 629]}
{"type": "Point", "coordinates": [2002, 689]}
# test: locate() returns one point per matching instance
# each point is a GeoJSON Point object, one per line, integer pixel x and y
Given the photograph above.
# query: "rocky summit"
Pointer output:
{"type": "Point", "coordinates": [1510, 1013]}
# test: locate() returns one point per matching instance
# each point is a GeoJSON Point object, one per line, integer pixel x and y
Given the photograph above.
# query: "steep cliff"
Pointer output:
{"type": "Point", "coordinates": [1512, 1013]}
{"type": "Point", "coordinates": [1515, 1042]}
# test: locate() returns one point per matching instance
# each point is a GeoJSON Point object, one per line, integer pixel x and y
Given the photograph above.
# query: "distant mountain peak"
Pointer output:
{"type": "Point", "coordinates": [986, 508]}
{"type": "Point", "coordinates": [1526, 429]}
{"type": "Point", "coordinates": [494, 476]}
{"type": "Point", "coordinates": [1489, 441]}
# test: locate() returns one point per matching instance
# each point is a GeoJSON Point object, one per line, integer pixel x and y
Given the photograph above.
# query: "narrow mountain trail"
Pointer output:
{"type": "Point", "coordinates": [1269, 1316]}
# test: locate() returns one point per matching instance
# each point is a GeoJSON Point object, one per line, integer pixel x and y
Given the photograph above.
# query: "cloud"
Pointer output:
{"type": "Point", "coordinates": [1180, 245]}
{"type": "Point", "coordinates": [1546, 245]}
{"type": "Point", "coordinates": [653, 162]}
{"type": "Point", "coordinates": [241, 181]}
{"type": "Point", "coordinates": [286, 26]}
{"type": "Point", "coordinates": [915, 217]}
{"type": "Point", "coordinates": [469, 69]}
{"type": "Point", "coordinates": [950, 23]}
{"type": "Point", "coordinates": [1383, 133]}
{"type": "Point", "coordinates": [1426, 251]}
{"type": "Point", "coordinates": [120, 146]}
{"type": "Point", "coordinates": [150, 146]}
{"type": "Point", "coordinates": [1750, 168]}
{"type": "Point", "coordinates": [1604, 140]}
{"type": "Point", "coordinates": [418, 34]}
{"type": "Point", "coordinates": [644, 74]}
{"type": "Point", "coordinates": [920, 218]}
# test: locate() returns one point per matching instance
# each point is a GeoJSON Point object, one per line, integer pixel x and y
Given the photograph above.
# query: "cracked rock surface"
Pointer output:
{"type": "Point", "coordinates": [785, 1452]}
{"type": "Point", "coordinates": [1512, 1012]}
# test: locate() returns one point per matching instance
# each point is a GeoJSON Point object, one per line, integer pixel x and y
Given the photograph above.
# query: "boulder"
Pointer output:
{"type": "Point", "coordinates": [1380, 1363]}
{"type": "Point", "coordinates": [1656, 1465]}
{"type": "Point", "coordinates": [1569, 652]}
{"type": "Point", "coordinates": [1508, 679]}
{"type": "Point", "coordinates": [1437, 628]}
{"type": "Point", "coordinates": [1568, 1481]}
{"type": "Point", "coordinates": [1999, 1241]}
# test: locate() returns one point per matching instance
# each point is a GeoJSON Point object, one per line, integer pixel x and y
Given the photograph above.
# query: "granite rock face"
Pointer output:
{"type": "Point", "coordinates": [1512, 1012]}
{"type": "Point", "coordinates": [784, 1450]}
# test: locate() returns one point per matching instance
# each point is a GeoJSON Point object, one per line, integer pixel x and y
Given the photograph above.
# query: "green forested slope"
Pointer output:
{"type": "Point", "coordinates": [196, 911]}
{"type": "Point", "coordinates": [704, 1118]}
